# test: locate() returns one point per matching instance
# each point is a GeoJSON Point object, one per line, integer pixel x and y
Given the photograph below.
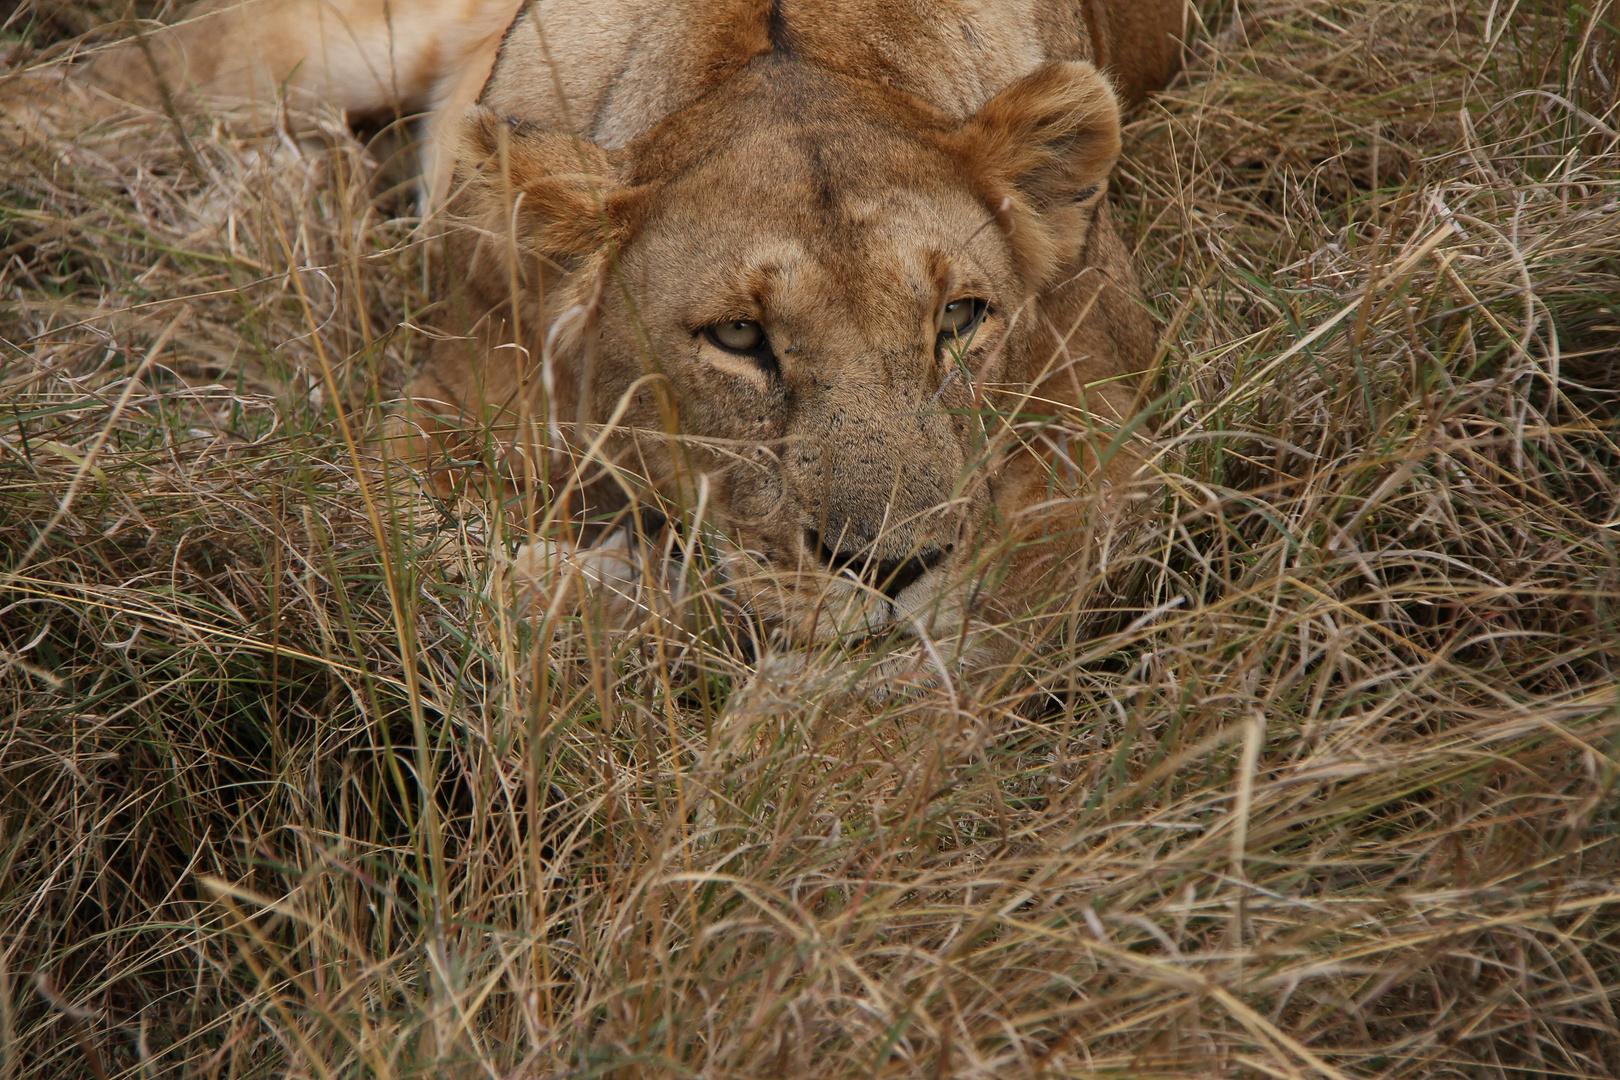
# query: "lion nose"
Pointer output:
{"type": "Point", "coordinates": [891, 577]}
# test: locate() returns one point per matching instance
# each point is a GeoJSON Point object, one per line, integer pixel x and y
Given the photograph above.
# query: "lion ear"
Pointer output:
{"type": "Point", "coordinates": [1039, 153]}
{"type": "Point", "coordinates": [568, 198]}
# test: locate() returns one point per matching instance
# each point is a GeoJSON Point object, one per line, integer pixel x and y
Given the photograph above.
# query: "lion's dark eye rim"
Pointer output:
{"type": "Point", "coordinates": [953, 325]}
{"type": "Point", "coordinates": [760, 352]}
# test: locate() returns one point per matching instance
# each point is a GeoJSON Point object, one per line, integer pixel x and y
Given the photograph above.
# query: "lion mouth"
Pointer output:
{"type": "Point", "coordinates": [826, 595]}
{"type": "Point", "coordinates": [843, 596]}
{"type": "Point", "coordinates": [891, 577]}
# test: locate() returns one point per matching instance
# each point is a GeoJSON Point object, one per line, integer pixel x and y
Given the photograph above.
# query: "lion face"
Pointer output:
{"type": "Point", "coordinates": [815, 283]}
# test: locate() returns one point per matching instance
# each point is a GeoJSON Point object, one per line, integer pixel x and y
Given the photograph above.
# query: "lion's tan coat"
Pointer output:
{"type": "Point", "coordinates": [836, 170]}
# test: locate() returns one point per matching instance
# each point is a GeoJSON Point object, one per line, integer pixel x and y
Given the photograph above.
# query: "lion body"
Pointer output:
{"type": "Point", "coordinates": [619, 177]}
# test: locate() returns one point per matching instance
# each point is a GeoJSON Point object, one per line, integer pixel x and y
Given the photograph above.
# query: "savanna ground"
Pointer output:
{"type": "Point", "coordinates": [292, 785]}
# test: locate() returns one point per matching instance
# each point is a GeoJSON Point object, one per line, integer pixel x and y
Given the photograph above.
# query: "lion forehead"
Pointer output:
{"type": "Point", "coordinates": [755, 210]}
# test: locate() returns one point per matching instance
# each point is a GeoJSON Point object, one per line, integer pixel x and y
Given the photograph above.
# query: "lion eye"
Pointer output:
{"type": "Point", "coordinates": [742, 335]}
{"type": "Point", "coordinates": [961, 316]}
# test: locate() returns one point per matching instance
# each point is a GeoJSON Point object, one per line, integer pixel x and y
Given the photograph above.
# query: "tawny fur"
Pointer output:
{"type": "Point", "coordinates": [616, 175]}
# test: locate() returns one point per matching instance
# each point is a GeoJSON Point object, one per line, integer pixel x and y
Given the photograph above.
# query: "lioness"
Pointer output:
{"type": "Point", "coordinates": [846, 267]}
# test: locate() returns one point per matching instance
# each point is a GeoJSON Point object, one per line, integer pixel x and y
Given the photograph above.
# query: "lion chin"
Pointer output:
{"type": "Point", "coordinates": [839, 278]}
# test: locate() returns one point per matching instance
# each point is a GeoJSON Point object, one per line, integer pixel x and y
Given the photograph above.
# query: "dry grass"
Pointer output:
{"type": "Point", "coordinates": [290, 788]}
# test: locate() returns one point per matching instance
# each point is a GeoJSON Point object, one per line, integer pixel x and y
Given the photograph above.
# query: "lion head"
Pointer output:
{"type": "Point", "coordinates": [817, 294]}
